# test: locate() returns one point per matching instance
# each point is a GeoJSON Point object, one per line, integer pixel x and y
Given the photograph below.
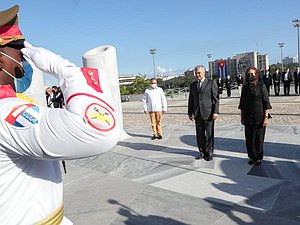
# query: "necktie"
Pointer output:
{"type": "Point", "coordinates": [199, 85]}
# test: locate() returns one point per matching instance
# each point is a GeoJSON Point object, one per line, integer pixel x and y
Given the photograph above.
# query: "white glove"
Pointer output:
{"type": "Point", "coordinates": [46, 60]}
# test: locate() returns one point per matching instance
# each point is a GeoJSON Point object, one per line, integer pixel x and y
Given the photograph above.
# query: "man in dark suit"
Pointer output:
{"type": "Point", "coordinates": [203, 107]}
{"type": "Point", "coordinates": [286, 80]}
{"type": "Point", "coordinates": [267, 81]}
{"type": "Point", "coordinates": [276, 82]}
{"type": "Point", "coordinates": [297, 80]}
{"type": "Point", "coordinates": [57, 98]}
{"type": "Point", "coordinates": [228, 85]}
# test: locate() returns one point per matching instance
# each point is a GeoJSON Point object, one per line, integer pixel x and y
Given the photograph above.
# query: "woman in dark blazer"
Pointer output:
{"type": "Point", "coordinates": [254, 106]}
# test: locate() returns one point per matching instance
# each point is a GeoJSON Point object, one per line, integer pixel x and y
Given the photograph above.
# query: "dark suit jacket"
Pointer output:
{"type": "Point", "coordinates": [254, 101]}
{"type": "Point", "coordinates": [267, 81]}
{"type": "Point", "coordinates": [296, 76]}
{"type": "Point", "coordinates": [57, 100]}
{"type": "Point", "coordinates": [228, 83]}
{"type": "Point", "coordinates": [276, 78]}
{"type": "Point", "coordinates": [290, 78]}
{"type": "Point", "coordinates": [204, 102]}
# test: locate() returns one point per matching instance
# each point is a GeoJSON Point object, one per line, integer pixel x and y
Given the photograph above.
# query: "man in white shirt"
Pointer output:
{"type": "Point", "coordinates": [286, 80]}
{"type": "Point", "coordinates": [155, 104]}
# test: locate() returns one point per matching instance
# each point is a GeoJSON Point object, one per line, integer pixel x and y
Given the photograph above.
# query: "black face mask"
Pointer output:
{"type": "Point", "coordinates": [251, 77]}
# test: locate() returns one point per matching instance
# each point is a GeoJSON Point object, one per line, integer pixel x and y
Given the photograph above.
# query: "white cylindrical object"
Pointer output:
{"type": "Point", "coordinates": [104, 57]}
{"type": "Point", "coordinates": [36, 90]}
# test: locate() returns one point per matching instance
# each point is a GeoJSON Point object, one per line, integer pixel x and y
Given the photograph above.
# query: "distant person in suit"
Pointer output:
{"type": "Point", "coordinates": [267, 80]}
{"type": "Point", "coordinates": [254, 105]}
{"type": "Point", "coordinates": [155, 104]}
{"type": "Point", "coordinates": [240, 81]}
{"type": "Point", "coordinates": [220, 86]}
{"type": "Point", "coordinates": [49, 96]}
{"type": "Point", "coordinates": [58, 97]}
{"type": "Point", "coordinates": [276, 82]}
{"type": "Point", "coordinates": [228, 85]}
{"type": "Point", "coordinates": [203, 107]}
{"type": "Point", "coordinates": [297, 80]}
{"type": "Point", "coordinates": [286, 80]}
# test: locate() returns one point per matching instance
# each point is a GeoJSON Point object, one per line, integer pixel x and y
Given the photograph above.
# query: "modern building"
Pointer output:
{"type": "Point", "coordinates": [263, 62]}
{"type": "Point", "coordinates": [126, 79]}
{"type": "Point", "coordinates": [289, 60]}
{"type": "Point", "coordinates": [239, 63]}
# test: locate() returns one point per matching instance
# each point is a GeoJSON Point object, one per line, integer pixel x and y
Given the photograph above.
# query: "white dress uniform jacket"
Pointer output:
{"type": "Point", "coordinates": [154, 100]}
{"type": "Point", "coordinates": [33, 139]}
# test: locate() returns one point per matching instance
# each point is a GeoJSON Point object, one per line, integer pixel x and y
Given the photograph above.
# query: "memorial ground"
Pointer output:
{"type": "Point", "coordinates": [159, 182]}
{"type": "Point", "coordinates": [285, 111]}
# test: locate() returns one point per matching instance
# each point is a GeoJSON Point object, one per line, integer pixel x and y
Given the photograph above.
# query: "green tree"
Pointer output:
{"type": "Point", "coordinates": [140, 84]}
{"type": "Point", "coordinates": [124, 90]}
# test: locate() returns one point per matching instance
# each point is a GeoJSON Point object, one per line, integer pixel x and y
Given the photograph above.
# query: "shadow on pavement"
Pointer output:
{"type": "Point", "coordinates": [279, 150]}
{"type": "Point", "coordinates": [130, 217]}
{"type": "Point", "coordinates": [279, 203]}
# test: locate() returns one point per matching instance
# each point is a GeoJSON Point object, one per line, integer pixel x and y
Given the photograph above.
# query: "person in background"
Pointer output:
{"type": "Point", "coordinates": [267, 80]}
{"type": "Point", "coordinates": [276, 82]}
{"type": "Point", "coordinates": [58, 98]}
{"type": "Point", "coordinates": [220, 86]}
{"type": "Point", "coordinates": [240, 82]}
{"type": "Point", "coordinates": [155, 104]}
{"type": "Point", "coordinates": [49, 96]}
{"type": "Point", "coordinates": [286, 80]}
{"type": "Point", "coordinates": [228, 85]}
{"type": "Point", "coordinates": [297, 80]}
{"type": "Point", "coordinates": [203, 107]}
{"type": "Point", "coordinates": [254, 105]}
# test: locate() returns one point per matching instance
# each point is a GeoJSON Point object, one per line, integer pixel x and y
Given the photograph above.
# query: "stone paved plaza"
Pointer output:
{"type": "Point", "coordinates": [159, 182]}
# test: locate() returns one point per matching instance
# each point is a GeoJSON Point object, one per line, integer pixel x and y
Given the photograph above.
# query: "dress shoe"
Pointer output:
{"type": "Point", "coordinates": [159, 137]}
{"type": "Point", "coordinates": [251, 162]}
{"type": "Point", "coordinates": [200, 156]}
{"type": "Point", "coordinates": [208, 158]}
{"type": "Point", "coordinates": [154, 137]}
{"type": "Point", "coordinates": [257, 162]}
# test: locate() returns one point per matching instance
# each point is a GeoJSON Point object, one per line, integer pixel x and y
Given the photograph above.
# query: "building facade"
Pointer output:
{"type": "Point", "coordinates": [239, 64]}
{"type": "Point", "coordinates": [126, 79]}
{"type": "Point", "coordinates": [289, 60]}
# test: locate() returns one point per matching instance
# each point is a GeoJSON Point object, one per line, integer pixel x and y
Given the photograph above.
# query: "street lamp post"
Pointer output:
{"type": "Point", "coordinates": [152, 52]}
{"type": "Point", "coordinates": [210, 72]}
{"type": "Point", "coordinates": [297, 24]}
{"type": "Point", "coordinates": [281, 45]}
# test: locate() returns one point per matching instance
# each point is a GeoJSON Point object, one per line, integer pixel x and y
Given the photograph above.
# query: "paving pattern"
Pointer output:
{"type": "Point", "coordinates": [159, 182]}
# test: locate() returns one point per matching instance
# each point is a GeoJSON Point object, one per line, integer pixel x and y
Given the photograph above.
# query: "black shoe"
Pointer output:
{"type": "Point", "coordinates": [257, 162]}
{"type": "Point", "coordinates": [154, 137]}
{"type": "Point", "coordinates": [251, 162]}
{"type": "Point", "coordinates": [200, 156]}
{"type": "Point", "coordinates": [159, 137]}
{"type": "Point", "coordinates": [208, 156]}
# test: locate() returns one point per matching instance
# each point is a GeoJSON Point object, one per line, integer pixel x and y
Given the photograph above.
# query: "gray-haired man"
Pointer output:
{"type": "Point", "coordinates": [203, 107]}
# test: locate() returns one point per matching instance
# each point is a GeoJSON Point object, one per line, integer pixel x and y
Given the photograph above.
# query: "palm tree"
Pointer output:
{"type": "Point", "coordinates": [140, 84]}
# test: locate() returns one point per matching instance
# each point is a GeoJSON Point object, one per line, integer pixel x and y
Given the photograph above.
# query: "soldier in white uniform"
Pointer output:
{"type": "Point", "coordinates": [34, 139]}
